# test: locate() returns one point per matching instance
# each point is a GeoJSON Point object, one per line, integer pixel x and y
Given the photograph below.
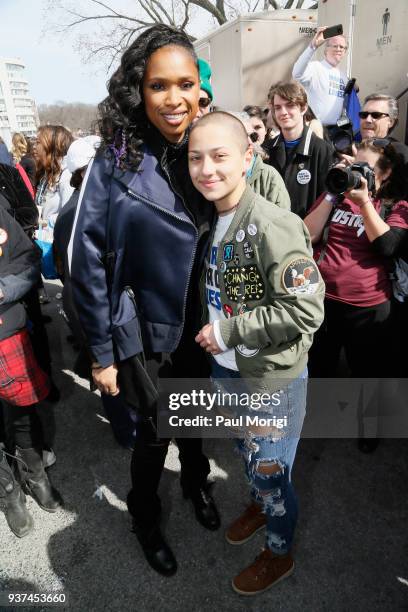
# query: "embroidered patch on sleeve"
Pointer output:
{"type": "Point", "coordinates": [301, 276]}
{"type": "Point", "coordinates": [245, 351]}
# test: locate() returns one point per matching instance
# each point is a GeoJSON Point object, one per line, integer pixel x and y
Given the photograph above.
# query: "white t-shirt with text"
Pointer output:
{"type": "Point", "coordinates": [324, 85]}
{"type": "Point", "coordinates": [212, 292]}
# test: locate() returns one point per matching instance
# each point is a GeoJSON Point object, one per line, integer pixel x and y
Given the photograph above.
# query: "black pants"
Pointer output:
{"type": "Point", "coordinates": [41, 347]}
{"type": "Point", "coordinates": [364, 333]}
{"type": "Point", "coordinates": [150, 451]}
{"type": "Point", "coordinates": [147, 465]}
{"type": "Point", "coordinates": [23, 425]}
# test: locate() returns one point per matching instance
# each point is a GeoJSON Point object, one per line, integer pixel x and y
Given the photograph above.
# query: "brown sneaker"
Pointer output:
{"type": "Point", "coordinates": [246, 525]}
{"type": "Point", "coordinates": [265, 571]}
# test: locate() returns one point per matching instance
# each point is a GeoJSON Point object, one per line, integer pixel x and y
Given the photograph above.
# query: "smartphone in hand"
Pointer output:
{"type": "Point", "coordinates": [335, 30]}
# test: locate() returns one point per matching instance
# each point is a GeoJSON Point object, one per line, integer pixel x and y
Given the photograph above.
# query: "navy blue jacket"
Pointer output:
{"type": "Point", "coordinates": [154, 234]}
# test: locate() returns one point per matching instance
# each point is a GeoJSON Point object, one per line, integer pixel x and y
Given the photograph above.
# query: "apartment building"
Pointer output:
{"type": "Point", "coordinates": [18, 112]}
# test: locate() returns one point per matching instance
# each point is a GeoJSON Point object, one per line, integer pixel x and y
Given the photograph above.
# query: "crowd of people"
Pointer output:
{"type": "Point", "coordinates": [197, 242]}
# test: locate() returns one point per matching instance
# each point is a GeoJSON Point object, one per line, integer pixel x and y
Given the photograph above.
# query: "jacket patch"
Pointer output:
{"type": "Point", "coordinates": [244, 283]}
{"type": "Point", "coordinates": [240, 235]}
{"type": "Point", "coordinates": [245, 351]}
{"type": "Point", "coordinates": [301, 276]}
{"type": "Point", "coordinates": [248, 250]}
{"type": "Point", "coordinates": [242, 308]}
{"type": "Point", "coordinates": [303, 177]}
{"type": "Point", "coordinates": [3, 236]}
{"type": "Point", "coordinates": [227, 310]}
{"type": "Point", "coordinates": [228, 252]}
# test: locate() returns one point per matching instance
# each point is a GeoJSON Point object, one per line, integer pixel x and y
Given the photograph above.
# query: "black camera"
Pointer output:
{"type": "Point", "coordinates": [342, 140]}
{"type": "Point", "coordinates": [342, 136]}
{"type": "Point", "coordinates": [340, 180]}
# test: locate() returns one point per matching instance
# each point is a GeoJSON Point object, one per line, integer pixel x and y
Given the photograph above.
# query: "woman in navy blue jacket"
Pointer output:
{"type": "Point", "coordinates": [138, 242]}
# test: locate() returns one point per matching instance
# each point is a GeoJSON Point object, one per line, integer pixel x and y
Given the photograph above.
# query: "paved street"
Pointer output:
{"type": "Point", "coordinates": [351, 542]}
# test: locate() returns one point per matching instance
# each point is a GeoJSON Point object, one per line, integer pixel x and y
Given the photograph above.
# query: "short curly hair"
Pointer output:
{"type": "Point", "coordinates": [122, 116]}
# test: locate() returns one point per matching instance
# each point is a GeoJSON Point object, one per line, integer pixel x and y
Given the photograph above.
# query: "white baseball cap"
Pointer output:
{"type": "Point", "coordinates": [80, 153]}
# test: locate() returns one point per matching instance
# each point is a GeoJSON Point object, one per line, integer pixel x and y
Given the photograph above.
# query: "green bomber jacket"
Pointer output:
{"type": "Point", "coordinates": [271, 290]}
{"type": "Point", "coordinates": [267, 181]}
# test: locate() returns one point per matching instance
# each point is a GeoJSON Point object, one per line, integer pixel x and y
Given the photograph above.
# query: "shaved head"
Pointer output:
{"type": "Point", "coordinates": [227, 121]}
{"type": "Point", "coordinates": [219, 156]}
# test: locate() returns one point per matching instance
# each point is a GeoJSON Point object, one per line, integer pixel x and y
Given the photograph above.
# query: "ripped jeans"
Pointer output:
{"type": "Point", "coordinates": [269, 458]}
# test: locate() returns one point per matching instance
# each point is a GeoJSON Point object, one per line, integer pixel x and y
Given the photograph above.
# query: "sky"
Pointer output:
{"type": "Point", "coordinates": [55, 69]}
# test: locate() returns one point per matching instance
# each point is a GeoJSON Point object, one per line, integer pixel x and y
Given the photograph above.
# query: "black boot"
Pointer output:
{"type": "Point", "coordinates": [157, 552]}
{"type": "Point", "coordinates": [17, 516]}
{"type": "Point", "coordinates": [204, 506]}
{"type": "Point", "coordinates": [35, 480]}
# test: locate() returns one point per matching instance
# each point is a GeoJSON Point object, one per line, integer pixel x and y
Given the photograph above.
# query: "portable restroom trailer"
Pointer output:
{"type": "Point", "coordinates": [378, 47]}
{"type": "Point", "coordinates": [251, 53]}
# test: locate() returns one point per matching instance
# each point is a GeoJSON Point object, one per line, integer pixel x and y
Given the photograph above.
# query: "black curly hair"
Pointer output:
{"type": "Point", "coordinates": [122, 118]}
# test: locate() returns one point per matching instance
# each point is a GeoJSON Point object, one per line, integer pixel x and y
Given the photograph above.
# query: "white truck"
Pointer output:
{"type": "Point", "coordinates": [249, 54]}
{"type": "Point", "coordinates": [378, 47]}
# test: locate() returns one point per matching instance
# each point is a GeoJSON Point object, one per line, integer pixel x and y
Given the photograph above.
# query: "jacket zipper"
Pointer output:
{"type": "Point", "coordinates": [163, 166]}
{"type": "Point", "coordinates": [131, 296]}
{"type": "Point", "coordinates": [163, 210]}
{"type": "Point", "coordinates": [167, 212]}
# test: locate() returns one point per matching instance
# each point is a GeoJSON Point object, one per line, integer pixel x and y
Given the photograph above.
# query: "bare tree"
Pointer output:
{"type": "Point", "coordinates": [73, 116]}
{"type": "Point", "coordinates": [117, 28]}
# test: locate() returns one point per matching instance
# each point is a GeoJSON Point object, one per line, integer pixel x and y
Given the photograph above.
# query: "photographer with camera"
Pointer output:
{"type": "Point", "coordinates": [358, 228]}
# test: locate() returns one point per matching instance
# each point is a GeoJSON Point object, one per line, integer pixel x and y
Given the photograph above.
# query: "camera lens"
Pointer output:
{"type": "Point", "coordinates": [340, 180]}
{"type": "Point", "coordinates": [337, 180]}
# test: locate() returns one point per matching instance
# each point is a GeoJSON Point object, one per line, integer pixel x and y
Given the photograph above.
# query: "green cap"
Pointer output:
{"type": "Point", "coordinates": [205, 75]}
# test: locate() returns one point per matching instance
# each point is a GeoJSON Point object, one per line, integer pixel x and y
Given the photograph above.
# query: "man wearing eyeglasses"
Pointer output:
{"type": "Point", "coordinates": [378, 118]}
{"type": "Point", "coordinates": [206, 91]}
{"type": "Point", "coordinates": [323, 81]}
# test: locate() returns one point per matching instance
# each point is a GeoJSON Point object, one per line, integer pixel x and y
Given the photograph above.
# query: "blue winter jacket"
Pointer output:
{"type": "Point", "coordinates": [153, 236]}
